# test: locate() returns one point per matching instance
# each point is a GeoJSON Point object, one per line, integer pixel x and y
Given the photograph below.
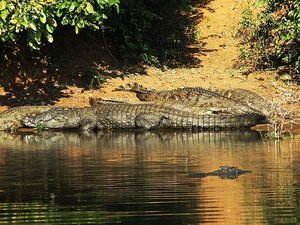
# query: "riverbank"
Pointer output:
{"type": "Point", "coordinates": [219, 52]}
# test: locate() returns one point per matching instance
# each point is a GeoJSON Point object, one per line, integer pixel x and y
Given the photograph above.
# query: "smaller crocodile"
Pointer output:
{"type": "Point", "coordinates": [11, 119]}
{"type": "Point", "coordinates": [235, 100]}
{"type": "Point", "coordinates": [224, 172]}
{"type": "Point", "coordinates": [195, 100]}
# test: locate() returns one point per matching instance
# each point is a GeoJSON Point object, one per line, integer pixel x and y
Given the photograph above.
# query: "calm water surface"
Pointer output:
{"type": "Point", "coordinates": [142, 178]}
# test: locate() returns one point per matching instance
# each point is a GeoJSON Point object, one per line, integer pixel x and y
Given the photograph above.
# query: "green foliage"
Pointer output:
{"type": "Point", "coordinates": [274, 39]}
{"type": "Point", "coordinates": [38, 19]}
{"type": "Point", "coordinates": [152, 30]}
{"type": "Point", "coordinates": [41, 127]}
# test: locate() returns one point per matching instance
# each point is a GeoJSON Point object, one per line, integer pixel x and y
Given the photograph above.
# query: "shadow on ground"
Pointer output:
{"type": "Point", "coordinates": [41, 77]}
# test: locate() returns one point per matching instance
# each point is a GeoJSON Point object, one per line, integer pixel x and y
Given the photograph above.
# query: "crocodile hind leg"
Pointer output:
{"type": "Point", "coordinates": [88, 121]}
{"type": "Point", "coordinates": [148, 121]}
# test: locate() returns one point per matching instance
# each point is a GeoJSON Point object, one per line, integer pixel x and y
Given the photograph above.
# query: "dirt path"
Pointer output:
{"type": "Point", "coordinates": [220, 51]}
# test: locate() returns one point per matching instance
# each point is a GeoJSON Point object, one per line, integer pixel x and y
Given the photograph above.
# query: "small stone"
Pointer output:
{"type": "Point", "coordinates": [261, 79]}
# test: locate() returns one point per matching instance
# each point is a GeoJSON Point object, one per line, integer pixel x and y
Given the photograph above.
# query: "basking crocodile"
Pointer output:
{"type": "Point", "coordinates": [236, 100]}
{"type": "Point", "coordinates": [224, 172]}
{"type": "Point", "coordinates": [147, 116]}
{"type": "Point", "coordinates": [11, 119]}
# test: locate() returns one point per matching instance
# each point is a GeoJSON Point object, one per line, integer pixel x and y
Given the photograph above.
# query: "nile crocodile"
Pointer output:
{"type": "Point", "coordinates": [236, 100]}
{"type": "Point", "coordinates": [11, 119]}
{"type": "Point", "coordinates": [147, 116]}
{"type": "Point", "coordinates": [224, 172]}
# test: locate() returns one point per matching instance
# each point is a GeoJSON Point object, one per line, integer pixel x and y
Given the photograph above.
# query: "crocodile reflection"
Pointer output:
{"type": "Point", "coordinates": [116, 139]}
{"type": "Point", "coordinates": [224, 172]}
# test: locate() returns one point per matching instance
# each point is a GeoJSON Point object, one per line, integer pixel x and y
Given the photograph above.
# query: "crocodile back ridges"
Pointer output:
{"type": "Point", "coordinates": [183, 94]}
{"type": "Point", "coordinates": [240, 97]}
{"type": "Point", "coordinates": [125, 116]}
{"type": "Point", "coordinates": [199, 96]}
{"type": "Point", "coordinates": [20, 110]}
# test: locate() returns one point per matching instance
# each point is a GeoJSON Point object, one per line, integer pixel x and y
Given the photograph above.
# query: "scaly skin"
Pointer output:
{"type": "Point", "coordinates": [236, 100]}
{"type": "Point", "coordinates": [11, 119]}
{"type": "Point", "coordinates": [224, 172]}
{"type": "Point", "coordinates": [147, 116]}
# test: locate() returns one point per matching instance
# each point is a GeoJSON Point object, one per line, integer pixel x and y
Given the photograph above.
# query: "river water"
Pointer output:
{"type": "Point", "coordinates": [142, 178]}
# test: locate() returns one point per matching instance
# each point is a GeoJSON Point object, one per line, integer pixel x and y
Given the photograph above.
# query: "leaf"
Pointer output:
{"type": "Point", "coordinates": [43, 17]}
{"type": "Point", "coordinates": [95, 27]}
{"type": "Point", "coordinates": [62, 5]}
{"type": "Point", "coordinates": [49, 37]}
{"type": "Point", "coordinates": [37, 38]}
{"type": "Point", "coordinates": [52, 22]}
{"type": "Point", "coordinates": [2, 5]}
{"type": "Point", "coordinates": [80, 24]}
{"type": "Point", "coordinates": [65, 21]}
{"type": "Point", "coordinates": [4, 14]}
{"type": "Point", "coordinates": [117, 8]}
{"type": "Point", "coordinates": [76, 30]}
{"type": "Point", "coordinates": [32, 26]}
{"type": "Point", "coordinates": [49, 28]}
{"type": "Point", "coordinates": [25, 23]}
{"type": "Point", "coordinates": [59, 13]}
{"type": "Point", "coordinates": [33, 45]}
{"type": "Point", "coordinates": [73, 6]}
{"type": "Point", "coordinates": [89, 8]}
{"type": "Point", "coordinates": [113, 2]}
{"type": "Point", "coordinates": [13, 19]}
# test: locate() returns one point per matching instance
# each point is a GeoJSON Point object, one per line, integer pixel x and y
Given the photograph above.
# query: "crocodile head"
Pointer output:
{"type": "Point", "coordinates": [229, 172]}
{"type": "Point", "coordinates": [57, 118]}
{"type": "Point", "coordinates": [224, 172]}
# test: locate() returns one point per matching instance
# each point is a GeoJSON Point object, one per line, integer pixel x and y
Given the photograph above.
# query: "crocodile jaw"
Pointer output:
{"type": "Point", "coordinates": [29, 121]}
{"type": "Point", "coordinates": [50, 123]}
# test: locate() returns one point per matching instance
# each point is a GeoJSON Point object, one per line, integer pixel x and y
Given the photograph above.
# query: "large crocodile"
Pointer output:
{"type": "Point", "coordinates": [224, 172]}
{"type": "Point", "coordinates": [11, 119]}
{"type": "Point", "coordinates": [148, 116]}
{"type": "Point", "coordinates": [235, 100]}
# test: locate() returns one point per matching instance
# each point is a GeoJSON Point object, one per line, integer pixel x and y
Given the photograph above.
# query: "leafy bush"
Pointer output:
{"type": "Point", "coordinates": [273, 39]}
{"type": "Point", "coordinates": [39, 18]}
{"type": "Point", "coordinates": [152, 30]}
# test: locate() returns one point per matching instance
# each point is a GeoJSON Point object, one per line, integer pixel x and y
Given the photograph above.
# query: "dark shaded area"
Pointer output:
{"type": "Point", "coordinates": [157, 32]}
{"type": "Point", "coordinates": [40, 77]}
{"type": "Point", "coordinates": [144, 32]}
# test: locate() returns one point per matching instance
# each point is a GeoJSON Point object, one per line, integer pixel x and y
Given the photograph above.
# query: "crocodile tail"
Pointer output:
{"type": "Point", "coordinates": [135, 87]}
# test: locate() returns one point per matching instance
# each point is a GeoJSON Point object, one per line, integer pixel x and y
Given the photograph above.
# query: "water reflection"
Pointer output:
{"type": "Point", "coordinates": [141, 178]}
